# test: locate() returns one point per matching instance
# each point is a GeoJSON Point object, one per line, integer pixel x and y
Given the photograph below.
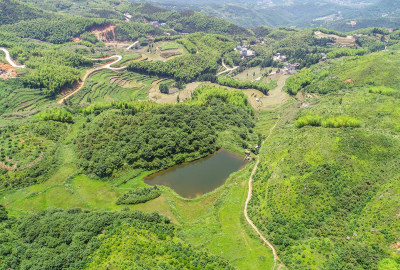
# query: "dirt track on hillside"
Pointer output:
{"type": "Point", "coordinates": [78, 86]}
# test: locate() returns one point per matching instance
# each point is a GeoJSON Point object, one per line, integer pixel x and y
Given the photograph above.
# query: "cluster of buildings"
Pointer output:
{"type": "Point", "coordinates": [157, 24]}
{"type": "Point", "coordinates": [352, 23]}
{"type": "Point", "coordinates": [244, 51]}
{"type": "Point", "coordinates": [289, 68]}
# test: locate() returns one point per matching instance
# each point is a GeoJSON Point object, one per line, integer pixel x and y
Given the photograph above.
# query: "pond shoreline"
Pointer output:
{"type": "Point", "coordinates": [200, 176]}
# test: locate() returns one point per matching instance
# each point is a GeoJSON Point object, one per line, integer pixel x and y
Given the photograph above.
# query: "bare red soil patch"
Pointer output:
{"type": "Point", "coordinates": [7, 71]}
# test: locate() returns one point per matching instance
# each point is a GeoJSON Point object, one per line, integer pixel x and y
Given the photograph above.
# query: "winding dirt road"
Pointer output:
{"type": "Point", "coordinates": [276, 257]}
{"type": "Point", "coordinates": [80, 84]}
{"type": "Point", "coordinates": [108, 66]}
{"type": "Point", "coordinates": [9, 60]}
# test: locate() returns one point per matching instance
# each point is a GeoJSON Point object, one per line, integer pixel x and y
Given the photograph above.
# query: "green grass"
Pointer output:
{"type": "Point", "coordinates": [132, 179]}
{"type": "Point", "coordinates": [95, 194]}
{"type": "Point", "coordinates": [251, 74]}
{"type": "Point", "coordinates": [221, 228]}
{"type": "Point", "coordinates": [383, 90]}
{"type": "Point", "coordinates": [377, 71]}
{"type": "Point", "coordinates": [214, 221]}
{"type": "Point", "coordinates": [317, 186]}
{"type": "Point", "coordinates": [169, 46]}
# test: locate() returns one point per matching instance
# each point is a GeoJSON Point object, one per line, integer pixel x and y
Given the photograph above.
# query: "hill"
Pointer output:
{"type": "Point", "coordinates": [300, 14]}
{"type": "Point", "coordinates": [97, 95]}
{"type": "Point", "coordinates": [327, 186]}
{"type": "Point", "coordinates": [12, 11]}
{"type": "Point", "coordinates": [184, 22]}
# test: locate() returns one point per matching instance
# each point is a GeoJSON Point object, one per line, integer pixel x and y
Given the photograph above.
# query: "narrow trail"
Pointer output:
{"type": "Point", "coordinates": [227, 69]}
{"type": "Point", "coordinates": [80, 84]}
{"type": "Point", "coordinates": [276, 257]}
{"type": "Point", "coordinates": [9, 60]}
{"type": "Point", "coordinates": [133, 44]}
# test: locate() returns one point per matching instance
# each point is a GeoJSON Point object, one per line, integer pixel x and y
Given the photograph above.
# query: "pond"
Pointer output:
{"type": "Point", "coordinates": [193, 179]}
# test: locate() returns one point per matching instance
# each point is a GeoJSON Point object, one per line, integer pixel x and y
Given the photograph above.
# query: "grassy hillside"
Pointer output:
{"type": "Point", "coordinates": [327, 196]}
{"type": "Point", "coordinates": [325, 192]}
{"type": "Point", "coordinates": [377, 69]}
{"type": "Point", "coordinates": [63, 185]}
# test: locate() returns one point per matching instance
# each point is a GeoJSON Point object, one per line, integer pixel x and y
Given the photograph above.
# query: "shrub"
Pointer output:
{"type": "Point", "coordinates": [308, 120]}
{"type": "Point", "coordinates": [332, 122]}
{"type": "Point", "coordinates": [298, 81]}
{"type": "Point", "coordinates": [3, 213]}
{"type": "Point", "coordinates": [383, 90]}
{"type": "Point", "coordinates": [264, 88]}
{"type": "Point", "coordinates": [87, 36]}
{"type": "Point", "coordinates": [140, 195]}
{"type": "Point", "coordinates": [164, 88]}
{"type": "Point", "coordinates": [341, 121]}
{"type": "Point", "coordinates": [346, 52]}
{"type": "Point", "coordinates": [59, 115]}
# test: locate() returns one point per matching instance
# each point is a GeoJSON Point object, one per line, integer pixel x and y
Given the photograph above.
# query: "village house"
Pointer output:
{"type": "Point", "coordinates": [279, 57]}
{"type": "Point", "coordinates": [127, 16]}
{"type": "Point", "coordinates": [155, 23]}
{"type": "Point", "coordinates": [352, 23]}
{"type": "Point", "coordinates": [244, 51]}
{"type": "Point", "coordinates": [292, 68]}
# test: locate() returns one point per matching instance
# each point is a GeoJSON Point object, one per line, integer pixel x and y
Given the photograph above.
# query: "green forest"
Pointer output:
{"type": "Point", "coordinates": [85, 240]}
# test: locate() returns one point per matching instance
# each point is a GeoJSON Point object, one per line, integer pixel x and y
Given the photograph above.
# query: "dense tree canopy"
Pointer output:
{"type": "Point", "coordinates": [76, 239]}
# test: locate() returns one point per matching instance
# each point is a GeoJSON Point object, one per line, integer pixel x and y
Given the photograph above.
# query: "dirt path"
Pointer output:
{"type": "Point", "coordinates": [133, 44]}
{"type": "Point", "coordinates": [276, 257]}
{"type": "Point", "coordinates": [108, 66]}
{"type": "Point", "coordinates": [227, 69]}
{"type": "Point", "coordinates": [80, 84]}
{"type": "Point", "coordinates": [9, 60]}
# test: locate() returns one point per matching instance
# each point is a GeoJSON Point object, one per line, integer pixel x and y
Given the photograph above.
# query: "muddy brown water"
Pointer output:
{"type": "Point", "coordinates": [193, 179]}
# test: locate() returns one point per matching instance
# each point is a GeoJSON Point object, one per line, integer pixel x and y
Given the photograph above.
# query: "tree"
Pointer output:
{"type": "Point", "coordinates": [164, 88]}
{"type": "Point", "coordinates": [3, 213]}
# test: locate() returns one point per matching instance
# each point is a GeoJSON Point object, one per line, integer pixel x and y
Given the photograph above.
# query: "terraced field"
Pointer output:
{"type": "Point", "coordinates": [108, 85]}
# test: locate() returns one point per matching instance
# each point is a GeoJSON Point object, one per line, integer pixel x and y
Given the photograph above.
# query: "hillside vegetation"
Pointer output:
{"type": "Point", "coordinates": [12, 11]}
{"type": "Point", "coordinates": [326, 191]}
{"type": "Point", "coordinates": [104, 93]}
{"type": "Point", "coordinates": [86, 240]}
{"type": "Point", "coordinates": [164, 135]}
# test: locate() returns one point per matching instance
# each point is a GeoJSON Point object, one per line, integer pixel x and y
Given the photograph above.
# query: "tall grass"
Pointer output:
{"type": "Point", "coordinates": [308, 120]}
{"type": "Point", "coordinates": [60, 115]}
{"type": "Point", "coordinates": [341, 121]}
{"type": "Point", "coordinates": [383, 90]}
{"type": "Point", "coordinates": [332, 122]}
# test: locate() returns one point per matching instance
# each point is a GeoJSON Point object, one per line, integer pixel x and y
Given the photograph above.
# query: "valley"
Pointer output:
{"type": "Point", "coordinates": [138, 137]}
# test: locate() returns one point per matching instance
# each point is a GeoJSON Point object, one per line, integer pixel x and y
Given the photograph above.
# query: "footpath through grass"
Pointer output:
{"type": "Point", "coordinates": [222, 228]}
